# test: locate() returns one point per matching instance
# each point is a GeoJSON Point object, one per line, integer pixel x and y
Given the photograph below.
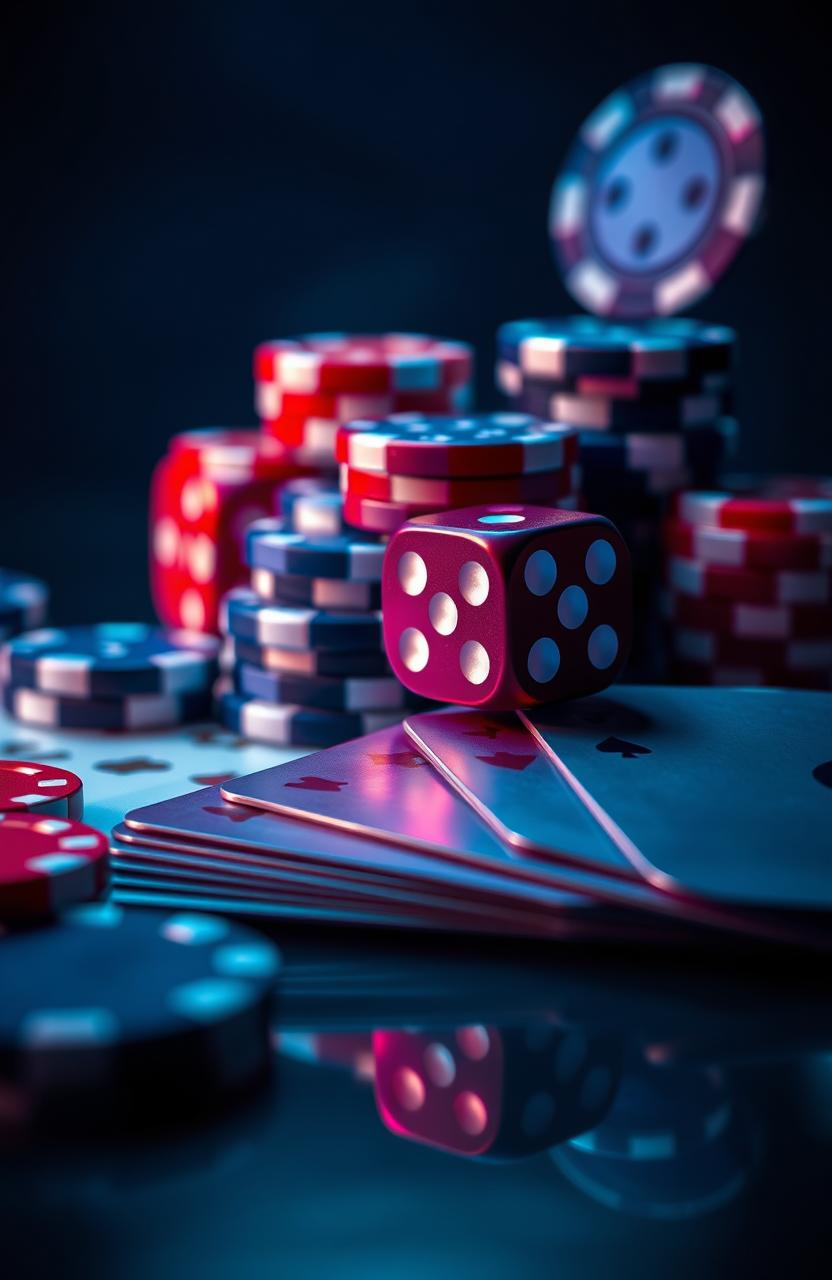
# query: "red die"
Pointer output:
{"type": "Point", "coordinates": [494, 1091]}
{"type": "Point", "coordinates": [507, 606]}
{"type": "Point", "coordinates": [204, 495]}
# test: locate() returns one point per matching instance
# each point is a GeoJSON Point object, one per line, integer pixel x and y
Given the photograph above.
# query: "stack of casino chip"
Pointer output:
{"type": "Point", "coordinates": [652, 402]}
{"type": "Point", "coordinates": [306, 387]}
{"type": "Point", "coordinates": [410, 465]}
{"type": "Point", "coordinates": [109, 676]}
{"type": "Point", "coordinates": [308, 663]}
{"type": "Point", "coordinates": [24, 603]}
{"type": "Point", "coordinates": [749, 583]}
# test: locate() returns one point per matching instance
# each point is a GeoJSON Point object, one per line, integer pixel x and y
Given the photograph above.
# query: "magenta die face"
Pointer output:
{"type": "Point", "coordinates": [507, 606]}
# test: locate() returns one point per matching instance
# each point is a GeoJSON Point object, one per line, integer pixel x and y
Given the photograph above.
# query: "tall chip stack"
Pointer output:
{"type": "Point", "coordinates": [651, 403]}
{"type": "Point", "coordinates": [749, 577]}
{"type": "Point", "coordinates": [658, 193]}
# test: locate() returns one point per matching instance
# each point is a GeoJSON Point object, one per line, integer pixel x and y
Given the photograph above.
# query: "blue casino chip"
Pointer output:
{"type": "Point", "coordinates": [121, 1009]}
{"type": "Point", "coordinates": [611, 413]}
{"type": "Point", "coordinates": [111, 660]}
{"type": "Point", "coordinates": [352, 555]}
{"type": "Point", "coordinates": [313, 507]}
{"type": "Point", "coordinates": [338, 663]}
{"type": "Point", "coordinates": [287, 725]}
{"type": "Point", "coordinates": [338, 594]}
{"type": "Point", "coordinates": [361, 693]}
{"type": "Point", "coordinates": [136, 711]}
{"type": "Point", "coordinates": [24, 602]}
{"type": "Point", "coordinates": [284, 627]}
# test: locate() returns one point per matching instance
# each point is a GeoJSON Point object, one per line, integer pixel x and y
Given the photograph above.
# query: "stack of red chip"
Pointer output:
{"type": "Point", "coordinates": [749, 575]}
{"type": "Point", "coordinates": [306, 387]}
{"type": "Point", "coordinates": [207, 490]}
{"type": "Point", "coordinates": [409, 465]}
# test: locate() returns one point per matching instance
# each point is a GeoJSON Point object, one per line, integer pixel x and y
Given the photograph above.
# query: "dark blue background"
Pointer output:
{"type": "Point", "coordinates": [182, 180]}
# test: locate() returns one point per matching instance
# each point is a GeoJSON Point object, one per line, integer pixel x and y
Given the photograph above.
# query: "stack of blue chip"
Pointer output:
{"type": "Point", "coordinates": [308, 663]}
{"type": "Point", "coordinates": [114, 675]}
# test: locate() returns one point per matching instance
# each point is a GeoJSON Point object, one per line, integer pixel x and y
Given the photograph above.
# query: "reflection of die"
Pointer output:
{"type": "Point", "coordinates": [507, 606]}
{"type": "Point", "coordinates": [499, 1092]}
{"type": "Point", "coordinates": [204, 494]}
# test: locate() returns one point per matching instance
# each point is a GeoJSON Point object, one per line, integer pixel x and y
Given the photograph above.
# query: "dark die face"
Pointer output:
{"type": "Point", "coordinates": [493, 1092]}
{"type": "Point", "coordinates": [509, 606]}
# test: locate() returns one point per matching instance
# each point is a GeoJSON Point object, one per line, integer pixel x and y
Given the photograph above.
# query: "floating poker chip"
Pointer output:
{"type": "Point", "coordinates": [661, 189]}
{"type": "Point", "coordinates": [485, 444]}
{"type": "Point", "coordinates": [639, 451]}
{"type": "Point", "coordinates": [721, 648]}
{"type": "Point", "coordinates": [24, 602]}
{"type": "Point", "coordinates": [313, 508]}
{"type": "Point", "coordinates": [27, 787]}
{"type": "Point", "coordinates": [48, 863]}
{"type": "Point", "coordinates": [350, 555]}
{"type": "Point", "coordinates": [610, 413]}
{"type": "Point", "coordinates": [748, 549]}
{"type": "Point", "coordinates": [751, 621]}
{"type": "Point", "coordinates": [295, 628]}
{"type": "Point", "coordinates": [286, 725]}
{"type": "Point", "coordinates": [317, 363]}
{"type": "Point", "coordinates": [749, 586]}
{"type": "Point", "coordinates": [136, 711]}
{"type": "Point", "coordinates": [379, 693]}
{"type": "Point", "coordinates": [111, 659]}
{"type": "Point", "coordinates": [657, 1117]}
{"type": "Point", "coordinates": [771, 504]}
{"type": "Point", "coordinates": [654, 350]}
{"type": "Point", "coordinates": [320, 593]}
{"type": "Point", "coordinates": [111, 1013]}
{"type": "Point", "coordinates": [314, 662]}
{"type": "Point", "coordinates": [538, 487]}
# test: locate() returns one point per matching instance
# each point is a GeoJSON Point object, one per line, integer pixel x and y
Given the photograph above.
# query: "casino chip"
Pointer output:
{"type": "Point", "coordinates": [285, 725]}
{"type": "Point", "coordinates": [46, 864]}
{"type": "Point", "coordinates": [771, 505]}
{"type": "Point", "coordinates": [751, 621]}
{"type": "Point", "coordinates": [320, 593]}
{"type": "Point", "coordinates": [485, 444]}
{"type": "Point", "coordinates": [540, 488]}
{"type": "Point", "coordinates": [40, 788]}
{"type": "Point", "coordinates": [312, 507]}
{"type": "Point", "coordinates": [138, 711]}
{"type": "Point", "coordinates": [314, 662]}
{"type": "Point", "coordinates": [363, 363]}
{"type": "Point", "coordinates": [352, 555]}
{"type": "Point", "coordinates": [24, 602]}
{"type": "Point", "coordinates": [110, 660]}
{"type": "Point", "coordinates": [292, 628]}
{"type": "Point", "coordinates": [368, 693]}
{"type": "Point", "coordinates": [660, 190]}
{"type": "Point", "coordinates": [115, 1014]}
{"type": "Point", "coordinates": [747, 548]}
{"type": "Point", "coordinates": [748, 586]}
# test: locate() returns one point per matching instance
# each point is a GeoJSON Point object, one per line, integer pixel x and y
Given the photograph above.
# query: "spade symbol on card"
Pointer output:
{"type": "Point", "coordinates": [311, 783]}
{"type": "Point", "coordinates": [822, 773]}
{"type": "Point", "coordinates": [508, 760]}
{"type": "Point", "coordinates": [620, 747]}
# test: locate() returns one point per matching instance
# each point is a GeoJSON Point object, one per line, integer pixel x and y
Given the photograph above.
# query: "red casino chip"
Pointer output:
{"type": "Point", "coordinates": [541, 488]}
{"type": "Point", "coordinates": [752, 621]}
{"type": "Point", "coordinates": [790, 505]}
{"type": "Point", "coordinates": [720, 649]}
{"type": "Point", "coordinates": [342, 362]}
{"type": "Point", "coordinates": [49, 863]}
{"type": "Point", "coordinates": [272, 402]}
{"type": "Point", "coordinates": [748, 586]}
{"type": "Point", "coordinates": [237, 455]}
{"type": "Point", "coordinates": [374, 516]}
{"type": "Point", "coordinates": [698, 673]}
{"type": "Point", "coordinates": [749, 549]}
{"type": "Point", "coordinates": [26, 787]}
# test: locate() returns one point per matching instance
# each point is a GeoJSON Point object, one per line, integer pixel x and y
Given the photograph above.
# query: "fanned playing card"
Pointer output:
{"type": "Point", "coordinates": [721, 793]}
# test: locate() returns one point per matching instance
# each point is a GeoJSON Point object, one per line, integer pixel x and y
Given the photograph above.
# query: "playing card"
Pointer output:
{"type": "Point", "coordinates": [273, 839]}
{"type": "Point", "coordinates": [380, 787]}
{"type": "Point", "coordinates": [508, 778]}
{"type": "Point", "coordinates": [721, 793]}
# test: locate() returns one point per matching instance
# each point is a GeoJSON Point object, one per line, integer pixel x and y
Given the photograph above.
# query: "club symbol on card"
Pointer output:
{"type": "Point", "coordinates": [508, 760]}
{"type": "Point", "coordinates": [210, 779]}
{"type": "Point", "coordinates": [311, 783]}
{"type": "Point", "coordinates": [400, 759]}
{"type": "Point", "coordinates": [822, 773]}
{"type": "Point", "coordinates": [236, 814]}
{"type": "Point", "coordinates": [620, 747]}
{"type": "Point", "coordinates": [133, 764]}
